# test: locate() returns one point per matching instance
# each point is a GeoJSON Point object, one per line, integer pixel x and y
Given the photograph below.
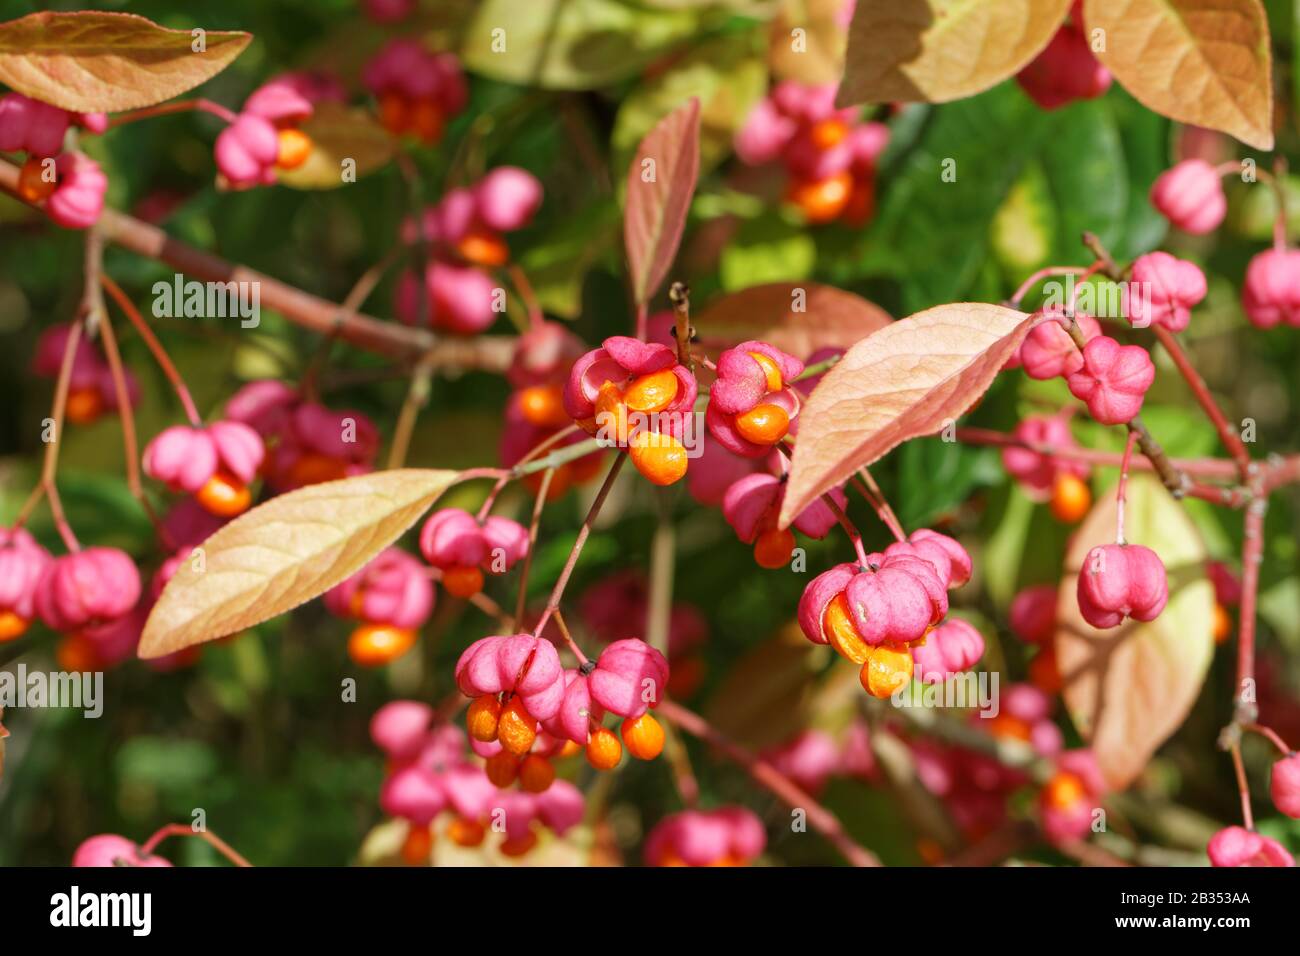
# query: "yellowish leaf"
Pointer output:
{"type": "Point", "coordinates": [339, 134]}
{"type": "Point", "coordinates": [91, 62]}
{"type": "Point", "coordinates": [909, 379]}
{"type": "Point", "coordinates": [827, 317]}
{"type": "Point", "coordinates": [1129, 688]}
{"type": "Point", "coordinates": [939, 50]}
{"type": "Point", "coordinates": [1205, 63]}
{"type": "Point", "coordinates": [806, 41]}
{"type": "Point", "coordinates": [285, 552]}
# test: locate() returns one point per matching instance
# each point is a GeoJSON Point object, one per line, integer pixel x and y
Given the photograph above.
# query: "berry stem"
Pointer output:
{"type": "Point", "coordinates": [680, 296]}
{"type": "Point", "coordinates": [525, 289]}
{"type": "Point", "coordinates": [1271, 735]}
{"type": "Point", "coordinates": [583, 533]}
{"type": "Point", "coordinates": [1039, 276]}
{"type": "Point", "coordinates": [417, 396]}
{"type": "Point", "coordinates": [866, 484]}
{"type": "Point", "coordinates": [812, 371]}
{"type": "Point", "coordinates": [663, 548]}
{"type": "Point", "coordinates": [538, 504]}
{"type": "Point", "coordinates": [175, 106]}
{"type": "Point", "coordinates": [1202, 467]}
{"type": "Point", "coordinates": [688, 788]}
{"type": "Point", "coordinates": [1227, 434]}
{"type": "Point", "coordinates": [785, 789]}
{"type": "Point", "coordinates": [1121, 495]}
{"type": "Point", "coordinates": [1243, 786]}
{"type": "Point", "coordinates": [642, 320]}
{"type": "Point", "coordinates": [845, 522]}
{"type": "Point", "coordinates": [568, 639]}
{"type": "Point", "coordinates": [1252, 552]}
{"type": "Point", "coordinates": [180, 829]}
{"type": "Point", "coordinates": [159, 353]}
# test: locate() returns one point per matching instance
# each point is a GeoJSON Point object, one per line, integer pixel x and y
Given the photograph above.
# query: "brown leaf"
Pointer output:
{"type": "Point", "coordinates": [92, 62]}
{"type": "Point", "coordinates": [286, 552]}
{"type": "Point", "coordinates": [660, 184]}
{"type": "Point", "coordinates": [339, 133]}
{"type": "Point", "coordinates": [1205, 63]}
{"type": "Point", "coordinates": [939, 50]}
{"type": "Point", "coordinates": [906, 380]}
{"type": "Point", "coordinates": [819, 57]}
{"type": "Point", "coordinates": [1129, 688]}
{"type": "Point", "coordinates": [830, 318]}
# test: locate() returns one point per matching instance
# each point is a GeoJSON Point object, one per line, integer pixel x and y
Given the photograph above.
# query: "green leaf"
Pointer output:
{"type": "Point", "coordinates": [767, 249]}
{"type": "Point", "coordinates": [558, 263]}
{"type": "Point", "coordinates": [572, 44]}
{"type": "Point", "coordinates": [1084, 165]}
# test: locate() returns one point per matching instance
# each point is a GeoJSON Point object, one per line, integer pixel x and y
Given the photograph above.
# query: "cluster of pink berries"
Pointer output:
{"type": "Point", "coordinates": [266, 135]}
{"type": "Point", "coordinates": [830, 155]}
{"type": "Point", "coordinates": [90, 386]}
{"type": "Point", "coordinates": [68, 185]}
{"type": "Point", "coordinates": [812, 757]}
{"type": "Point", "coordinates": [215, 463]}
{"type": "Point", "coordinates": [307, 443]}
{"type": "Point", "coordinates": [526, 704]}
{"type": "Point", "coordinates": [464, 232]}
{"type": "Point", "coordinates": [878, 614]}
{"type": "Point", "coordinates": [1052, 478]}
{"type": "Point", "coordinates": [431, 774]}
{"type": "Point", "coordinates": [418, 91]}
{"type": "Point", "coordinates": [1066, 70]}
{"type": "Point", "coordinates": [727, 836]}
{"type": "Point", "coordinates": [391, 598]}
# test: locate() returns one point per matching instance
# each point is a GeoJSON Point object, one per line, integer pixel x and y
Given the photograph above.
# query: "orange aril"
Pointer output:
{"type": "Point", "coordinates": [373, 645]}
{"type": "Point", "coordinates": [829, 133]}
{"type": "Point", "coordinates": [33, 185]}
{"type": "Point", "coordinates": [426, 121]}
{"type": "Point", "coordinates": [502, 768]}
{"type": "Point", "coordinates": [482, 717]}
{"type": "Point", "coordinates": [519, 845]}
{"type": "Point", "coordinates": [841, 633]}
{"type": "Point", "coordinates": [1071, 498]}
{"type": "Point", "coordinates": [771, 371]}
{"type": "Point", "coordinates": [517, 729]}
{"type": "Point", "coordinates": [484, 248]}
{"type": "Point", "coordinates": [773, 548]}
{"type": "Point", "coordinates": [394, 113]}
{"type": "Point", "coordinates": [417, 846]}
{"type": "Point", "coordinates": [644, 737]}
{"type": "Point", "coordinates": [660, 458]}
{"type": "Point", "coordinates": [77, 653]}
{"type": "Point", "coordinates": [462, 580]}
{"type": "Point", "coordinates": [543, 406]}
{"type": "Point", "coordinates": [888, 669]}
{"type": "Point", "coordinates": [465, 832]}
{"type": "Point", "coordinates": [295, 148]}
{"type": "Point", "coordinates": [536, 774]}
{"type": "Point", "coordinates": [12, 625]}
{"type": "Point", "coordinates": [603, 749]}
{"type": "Point", "coordinates": [1064, 791]}
{"type": "Point", "coordinates": [224, 495]}
{"type": "Point", "coordinates": [1222, 627]}
{"type": "Point", "coordinates": [83, 405]}
{"type": "Point", "coordinates": [821, 200]}
{"type": "Point", "coordinates": [764, 424]}
{"type": "Point", "coordinates": [652, 393]}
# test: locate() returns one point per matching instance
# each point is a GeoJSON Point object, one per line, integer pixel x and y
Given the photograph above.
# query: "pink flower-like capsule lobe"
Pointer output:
{"type": "Point", "coordinates": [765, 134]}
{"type": "Point", "coordinates": [1032, 615]}
{"type": "Point", "coordinates": [729, 836]}
{"type": "Point", "coordinates": [561, 807]}
{"type": "Point", "coordinates": [751, 377]}
{"type": "Point", "coordinates": [265, 405]}
{"type": "Point", "coordinates": [619, 363]}
{"type": "Point", "coordinates": [1113, 380]}
{"type": "Point", "coordinates": [1119, 581]}
{"type": "Point", "coordinates": [469, 792]}
{"type": "Point", "coordinates": [809, 759]}
{"type": "Point", "coordinates": [543, 354]}
{"type": "Point", "coordinates": [950, 560]}
{"type": "Point", "coordinates": [78, 199]}
{"type": "Point", "coordinates": [1271, 291]}
{"type": "Point", "coordinates": [1036, 472]}
{"type": "Point", "coordinates": [22, 565]}
{"type": "Point", "coordinates": [93, 586]}
{"type": "Point", "coordinates": [27, 124]}
{"type": "Point", "coordinates": [1048, 350]}
{"type": "Point", "coordinates": [1190, 195]}
{"type": "Point", "coordinates": [413, 793]}
{"type": "Point", "coordinates": [803, 102]}
{"type": "Point", "coordinates": [507, 197]}
{"type": "Point", "coordinates": [1065, 71]}
{"type": "Point", "coordinates": [452, 537]}
{"type": "Point", "coordinates": [401, 727]}
{"type": "Point", "coordinates": [109, 849]}
{"type": "Point", "coordinates": [246, 151]}
{"type": "Point", "coordinates": [895, 599]}
{"type": "Point", "coordinates": [952, 647]}
{"type": "Point", "coordinates": [279, 101]}
{"type": "Point", "coordinates": [1162, 291]}
{"type": "Point", "coordinates": [1237, 846]}
{"type": "Point", "coordinates": [1067, 802]}
{"type": "Point", "coordinates": [406, 67]}
{"type": "Point", "coordinates": [388, 11]}
{"type": "Point", "coordinates": [751, 506]}
{"type": "Point", "coordinates": [456, 298]}
{"type": "Point", "coordinates": [186, 459]}
{"type": "Point", "coordinates": [392, 589]}
{"type": "Point", "coordinates": [714, 472]}
{"type": "Point", "coordinates": [1227, 586]}
{"type": "Point", "coordinates": [630, 677]}
{"type": "Point", "coordinates": [1284, 785]}
{"type": "Point", "coordinates": [520, 664]}
{"type": "Point", "coordinates": [340, 433]}
{"type": "Point", "coordinates": [572, 721]}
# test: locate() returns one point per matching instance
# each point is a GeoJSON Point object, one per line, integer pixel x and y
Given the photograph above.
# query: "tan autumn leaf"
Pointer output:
{"type": "Point", "coordinates": [91, 62]}
{"type": "Point", "coordinates": [908, 379]}
{"type": "Point", "coordinates": [1129, 688]}
{"type": "Point", "coordinates": [660, 184]}
{"type": "Point", "coordinates": [939, 50]}
{"type": "Point", "coordinates": [806, 41]}
{"type": "Point", "coordinates": [339, 134]}
{"type": "Point", "coordinates": [1205, 63]}
{"type": "Point", "coordinates": [285, 552]}
{"type": "Point", "coordinates": [827, 317]}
